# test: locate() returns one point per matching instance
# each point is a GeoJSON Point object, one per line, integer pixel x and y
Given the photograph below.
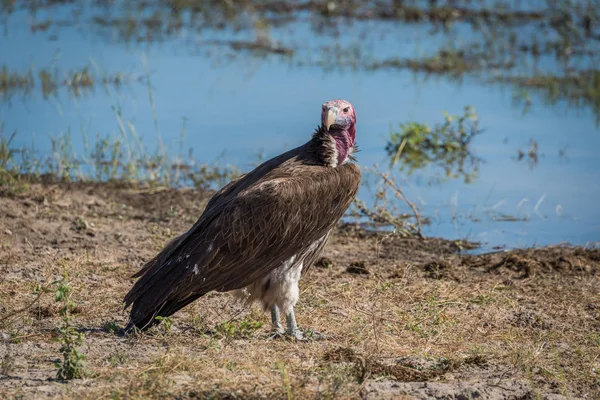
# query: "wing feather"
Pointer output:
{"type": "Point", "coordinates": [249, 228]}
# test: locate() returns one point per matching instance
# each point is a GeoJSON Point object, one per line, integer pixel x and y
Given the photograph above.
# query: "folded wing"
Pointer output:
{"type": "Point", "coordinates": [249, 228]}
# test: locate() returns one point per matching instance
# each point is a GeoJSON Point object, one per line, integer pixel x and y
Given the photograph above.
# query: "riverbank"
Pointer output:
{"type": "Point", "coordinates": [397, 312]}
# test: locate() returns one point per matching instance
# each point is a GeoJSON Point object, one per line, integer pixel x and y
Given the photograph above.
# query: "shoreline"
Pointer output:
{"type": "Point", "coordinates": [397, 311]}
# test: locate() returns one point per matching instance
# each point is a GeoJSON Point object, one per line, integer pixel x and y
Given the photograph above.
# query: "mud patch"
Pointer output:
{"type": "Point", "coordinates": [358, 268]}
{"type": "Point", "coordinates": [505, 389]}
{"type": "Point", "coordinates": [439, 270]}
{"type": "Point", "coordinates": [404, 369]}
{"type": "Point", "coordinates": [525, 263]}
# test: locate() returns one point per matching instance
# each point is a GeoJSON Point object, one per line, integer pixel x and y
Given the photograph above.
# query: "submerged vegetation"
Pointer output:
{"type": "Point", "coordinates": [108, 158]}
{"type": "Point", "coordinates": [444, 146]}
{"type": "Point", "coordinates": [544, 50]}
{"type": "Point", "coordinates": [549, 48]}
{"type": "Point", "coordinates": [50, 80]}
{"type": "Point", "coordinates": [577, 88]}
{"type": "Point", "coordinates": [531, 155]}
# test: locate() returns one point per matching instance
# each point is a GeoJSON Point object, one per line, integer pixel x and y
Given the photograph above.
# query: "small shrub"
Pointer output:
{"type": "Point", "coordinates": [72, 365]}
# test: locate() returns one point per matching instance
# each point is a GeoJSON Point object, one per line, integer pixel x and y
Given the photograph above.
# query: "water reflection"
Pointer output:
{"type": "Point", "coordinates": [399, 61]}
{"type": "Point", "coordinates": [548, 48]}
{"type": "Point", "coordinates": [445, 146]}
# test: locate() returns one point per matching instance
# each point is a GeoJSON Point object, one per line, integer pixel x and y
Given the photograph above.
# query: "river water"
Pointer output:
{"type": "Point", "coordinates": [238, 104]}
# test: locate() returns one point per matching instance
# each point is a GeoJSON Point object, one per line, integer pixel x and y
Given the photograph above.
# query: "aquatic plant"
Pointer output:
{"type": "Point", "coordinates": [550, 49]}
{"type": "Point", "coordinates": [416, 146]}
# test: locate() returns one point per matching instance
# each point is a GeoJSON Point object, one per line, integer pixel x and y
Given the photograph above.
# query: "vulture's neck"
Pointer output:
{"type": "Point", "coordinates": [334, 147]}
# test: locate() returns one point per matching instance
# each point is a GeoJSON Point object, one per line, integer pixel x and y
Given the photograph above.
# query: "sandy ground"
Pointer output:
{"type": "Point", "coordinates": [403, 318]}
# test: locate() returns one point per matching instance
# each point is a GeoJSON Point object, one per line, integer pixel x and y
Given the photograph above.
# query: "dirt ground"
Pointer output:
{"type": "Point", "coordinates": [403, 318]}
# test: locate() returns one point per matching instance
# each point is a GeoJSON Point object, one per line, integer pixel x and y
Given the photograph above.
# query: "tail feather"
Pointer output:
{"type": "Point", "coordinates": [162, 288]}
{"type": "Point", "coordinates": [165, 288]}
{"type": "Point", "coordinates": [147, 290]}
{"type": "Point", "coordinates": [143, 319]}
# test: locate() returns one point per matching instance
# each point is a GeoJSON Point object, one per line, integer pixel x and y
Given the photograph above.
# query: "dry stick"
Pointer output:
{"type": "Point", "coordinates": [400, 195]}
{"type": "Point", "coordinates": [372, 315]}
{"type": "Point", "coordinates": [40, 293]}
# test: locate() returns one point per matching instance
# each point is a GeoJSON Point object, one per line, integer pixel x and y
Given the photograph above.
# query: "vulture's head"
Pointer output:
{"type": "Point", "coordinates": [338, 118]}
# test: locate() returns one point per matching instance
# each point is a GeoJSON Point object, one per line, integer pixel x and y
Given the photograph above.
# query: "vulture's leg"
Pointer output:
{"type": "Point", "coordinates": [276, 320]}
{"type": "Point", "coordinates": [292, 326]}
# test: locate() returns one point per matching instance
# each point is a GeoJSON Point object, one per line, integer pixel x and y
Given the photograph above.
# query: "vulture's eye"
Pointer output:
{"type": "Point", "coordinates": [345, 109]}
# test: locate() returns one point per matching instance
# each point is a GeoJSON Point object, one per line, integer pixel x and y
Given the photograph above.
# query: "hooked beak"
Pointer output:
{"type": "Point", "coordinates": [331, 117]}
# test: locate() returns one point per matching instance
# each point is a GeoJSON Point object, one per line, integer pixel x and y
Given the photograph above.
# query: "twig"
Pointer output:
{"type": "Point", "coordinates": [19, 338]}
{"type": "Point", "coordinates": [42, 291]}
{"type": "Point", "coordinates": [400, 195]}
{"type": "Point", "coordinates": [372, 315]}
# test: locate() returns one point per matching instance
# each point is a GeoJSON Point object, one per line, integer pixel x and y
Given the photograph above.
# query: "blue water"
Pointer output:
{"type": "Point", "coordinates": [247, 105]}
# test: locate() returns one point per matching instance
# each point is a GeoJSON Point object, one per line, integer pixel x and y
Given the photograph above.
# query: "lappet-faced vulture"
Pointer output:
{"type": "Point", "coordinates": [260, 232]}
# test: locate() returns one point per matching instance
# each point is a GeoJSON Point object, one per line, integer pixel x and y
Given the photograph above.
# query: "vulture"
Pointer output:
{"type": "Point", "coordinates": [260, 232]}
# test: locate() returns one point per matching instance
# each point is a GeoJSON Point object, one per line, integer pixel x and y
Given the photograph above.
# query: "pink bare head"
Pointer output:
{"type": "Point", "coordinates": [338, 119]}
{"type": "Point", "coordinates": [337, 116]}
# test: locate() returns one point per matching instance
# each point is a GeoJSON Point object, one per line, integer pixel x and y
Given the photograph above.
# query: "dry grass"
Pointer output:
{"type": "Point", "coordinates": [423, 312]}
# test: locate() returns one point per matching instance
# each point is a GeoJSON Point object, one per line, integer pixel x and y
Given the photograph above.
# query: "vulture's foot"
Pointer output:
{"type": "Point", "coordinates": [276, 334]}
{"type": "Point", "coordinates": [276, 320]}
{"type": "Point", "coordinates": [296, 335]}
{"type": "Point", "coordinates": [307, 336]}
{"type": "Point", "coordinates": [294, 332]}
{"type": "Point", "coordinates": [284, 334]}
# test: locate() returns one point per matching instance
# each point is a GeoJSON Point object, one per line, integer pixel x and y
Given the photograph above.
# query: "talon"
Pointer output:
{"type": "Point", "coordinates": [296, 335]}
{"type": "Point", "coordinates": [276, 333]}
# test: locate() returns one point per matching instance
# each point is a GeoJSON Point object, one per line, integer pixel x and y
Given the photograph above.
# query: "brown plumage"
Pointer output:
{"type": "Point", "coordinates": [259, 231]}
